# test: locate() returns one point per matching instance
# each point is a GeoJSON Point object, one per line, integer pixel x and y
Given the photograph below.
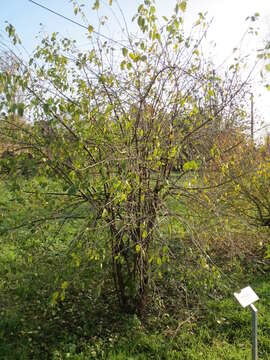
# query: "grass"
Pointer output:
{"type": "Point", "coordinates": [85, 326]}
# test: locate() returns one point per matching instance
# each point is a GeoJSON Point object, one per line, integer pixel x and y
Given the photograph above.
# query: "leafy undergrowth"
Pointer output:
{"type": "Point", "coordinates": [86, 325]}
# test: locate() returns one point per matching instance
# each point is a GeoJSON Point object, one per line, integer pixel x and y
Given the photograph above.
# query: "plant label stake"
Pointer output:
{"type": "Point", "coordinates": [246, 297]}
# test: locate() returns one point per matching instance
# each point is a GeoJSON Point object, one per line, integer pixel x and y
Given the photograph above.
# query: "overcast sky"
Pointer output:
{"type": "Point", "coordinates": [227, 28]}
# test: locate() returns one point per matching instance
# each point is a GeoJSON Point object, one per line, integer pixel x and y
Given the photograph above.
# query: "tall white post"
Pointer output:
{"type": "Point", "coordinates": [254, 332]}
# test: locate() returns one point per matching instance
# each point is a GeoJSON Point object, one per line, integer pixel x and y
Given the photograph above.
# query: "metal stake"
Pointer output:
{"type": "Point", "coordinates": [254, 332]}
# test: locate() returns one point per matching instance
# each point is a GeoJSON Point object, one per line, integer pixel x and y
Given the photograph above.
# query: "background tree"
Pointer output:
{"type": "Point", "coordinates": [251, 189]}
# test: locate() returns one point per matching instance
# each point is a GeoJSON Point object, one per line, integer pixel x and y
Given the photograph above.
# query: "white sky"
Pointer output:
{"type": "Point", "coordinates": [228, 26]}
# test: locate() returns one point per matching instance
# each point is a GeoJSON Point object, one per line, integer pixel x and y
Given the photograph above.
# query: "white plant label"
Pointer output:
{"type": "Point", "coordinates": [246, 297]}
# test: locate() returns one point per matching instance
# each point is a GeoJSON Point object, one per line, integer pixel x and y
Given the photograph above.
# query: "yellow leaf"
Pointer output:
{"type": "Point", "coordinates": [64, 285]}
{"type": "Point", "coordinates": [123, 197]}
{"type": "Point", "coordinates": [96, 5]}
{"type": "Point", "coordinates": [183, 5]}
{"type": "Point", "coordinates": [144, 234]}
{"type": "Point", "coordinates": [54, 298]}
{"type": "Point", "coordinates": [104, 214]}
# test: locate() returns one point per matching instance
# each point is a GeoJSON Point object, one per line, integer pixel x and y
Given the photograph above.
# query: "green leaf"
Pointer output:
{"type": "Point", "coordinates": [132, 56]}
{"type": "Point", "coordinates": [46, 108]}
{"type": "Point", "coordinates": [124, 51]}
{"type": "Point", "coordinates": [190, 165]}
{"type": "Point", "coordinates": [152, 10]}
{"type": "Point", "coordinates": [12, 34]}
{"type": "Point", "coordinates": [267, 67]}
{"type": "Point", "coordinates": [138, 248]}
{"type": "Point", "coordinates": [157, 36]}
{"type": "Point", "coordinates": [90, 29]}
{"type": "Point", "coordinates": [122, 65]}
{"type": "Point", "coordinates": [20, 108]}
